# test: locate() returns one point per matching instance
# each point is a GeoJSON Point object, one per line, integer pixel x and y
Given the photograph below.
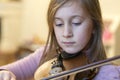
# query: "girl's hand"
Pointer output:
{"type": "Point", "coordinates": [7, 75]}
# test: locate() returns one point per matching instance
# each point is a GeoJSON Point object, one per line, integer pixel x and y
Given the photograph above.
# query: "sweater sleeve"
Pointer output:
{"type": "Point", "coordinates": [108, 72]}
{"type": "Point", "coordinates": [24, 69]}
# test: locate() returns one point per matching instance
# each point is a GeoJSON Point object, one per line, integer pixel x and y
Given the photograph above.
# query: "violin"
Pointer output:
{"type": "Point", "coordinates": [81, 69]}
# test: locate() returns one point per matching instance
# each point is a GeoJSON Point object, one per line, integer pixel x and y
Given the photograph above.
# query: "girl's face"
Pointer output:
{"type": "Point", "coordinates": [73, 27]}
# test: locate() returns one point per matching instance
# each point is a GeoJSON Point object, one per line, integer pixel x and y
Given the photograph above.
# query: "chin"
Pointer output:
{"type": "Point", "coordinates": [71, 51]}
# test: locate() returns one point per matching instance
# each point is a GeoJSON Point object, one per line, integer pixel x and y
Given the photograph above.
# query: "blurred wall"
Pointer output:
{"type": "Point", "coordinates": [10, 14]}
{"type": "Point", "coordinates": [34, 19]}
{"type": "Point", "coordinates": [110, 7]}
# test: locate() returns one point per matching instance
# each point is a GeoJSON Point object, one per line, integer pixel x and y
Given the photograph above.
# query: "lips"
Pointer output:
{"type": "Point", "coordinates": [68, 43]}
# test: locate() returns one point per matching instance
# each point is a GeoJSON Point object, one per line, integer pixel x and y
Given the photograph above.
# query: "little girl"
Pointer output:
{"type": "Point", "coordinates": [74, 40]}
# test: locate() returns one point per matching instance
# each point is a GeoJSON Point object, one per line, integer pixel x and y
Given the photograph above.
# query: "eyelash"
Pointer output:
{"type": "Point", "coordinates": [59, 25]}
{"type": "Point", "coordinates": [77, 24]}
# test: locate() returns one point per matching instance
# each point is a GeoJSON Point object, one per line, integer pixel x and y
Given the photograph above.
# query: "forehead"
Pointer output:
{"type": "Point", "coordinates": [71, 8]}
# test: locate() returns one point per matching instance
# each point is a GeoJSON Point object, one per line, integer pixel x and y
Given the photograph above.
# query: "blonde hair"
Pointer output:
{"type": "Point", "coordinates": [96, 49]}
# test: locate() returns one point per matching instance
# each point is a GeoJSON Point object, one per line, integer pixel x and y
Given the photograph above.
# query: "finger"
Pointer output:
{"type": "Point", "coordinates": [6, 76]}
{"type": "Point", "coordinates": [13, 78]}
{"type": "Point", "coordinates": [1, 76]}
{"type": "Point", "coordinates": [9, 76]}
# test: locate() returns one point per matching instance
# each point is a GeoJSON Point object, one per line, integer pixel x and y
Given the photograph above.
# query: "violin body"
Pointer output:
{"type": "Point", "coordinates": [45, 69]}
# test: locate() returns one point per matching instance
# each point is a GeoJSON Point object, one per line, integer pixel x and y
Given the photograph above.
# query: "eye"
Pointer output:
{"type": "Point", "coordinates": [77, 24]}
{"type": "Point", "coordinates": [58, 22]}
{"type": "Point", "coordinates": [59, 25]}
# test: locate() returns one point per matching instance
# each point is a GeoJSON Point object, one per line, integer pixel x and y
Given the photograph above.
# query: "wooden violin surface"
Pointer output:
{"type": "Point", "coordinates": [43, 70]}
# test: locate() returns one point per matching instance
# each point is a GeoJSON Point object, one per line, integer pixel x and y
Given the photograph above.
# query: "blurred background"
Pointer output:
{"type": "Point", "coordinates": [23, 27]}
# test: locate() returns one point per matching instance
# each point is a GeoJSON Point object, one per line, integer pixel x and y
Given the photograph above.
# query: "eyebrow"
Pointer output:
{"type": "Point", "coordinates": [78, 16]}
{"type": "Point", "coordinates": [57, 18]}
{"type": "Point", "coordinates": [71, 17]}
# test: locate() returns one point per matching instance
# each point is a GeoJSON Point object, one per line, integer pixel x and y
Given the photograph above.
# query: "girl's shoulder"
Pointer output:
{"type": "Point", "coordinates": [108, 72]}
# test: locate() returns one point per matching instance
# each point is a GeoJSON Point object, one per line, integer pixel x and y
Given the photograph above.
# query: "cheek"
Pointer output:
{"type": "Point", "coordinates": [84, 36]}
{"type": "Point", "coordinates": [57, 34]}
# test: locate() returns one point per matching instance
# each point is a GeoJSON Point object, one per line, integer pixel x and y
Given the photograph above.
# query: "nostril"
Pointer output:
{"type": "Point", "coordinates": [67, 32]}
{"type": "Point", "coordinates": [68, 35]}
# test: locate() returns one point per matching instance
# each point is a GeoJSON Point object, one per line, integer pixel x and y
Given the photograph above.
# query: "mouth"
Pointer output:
{"type": "Point", "coordinates": [68, 43]}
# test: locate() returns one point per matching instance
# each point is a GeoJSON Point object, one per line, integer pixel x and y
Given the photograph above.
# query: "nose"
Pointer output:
{"type": "Point", "coordinates": [68, 32]}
